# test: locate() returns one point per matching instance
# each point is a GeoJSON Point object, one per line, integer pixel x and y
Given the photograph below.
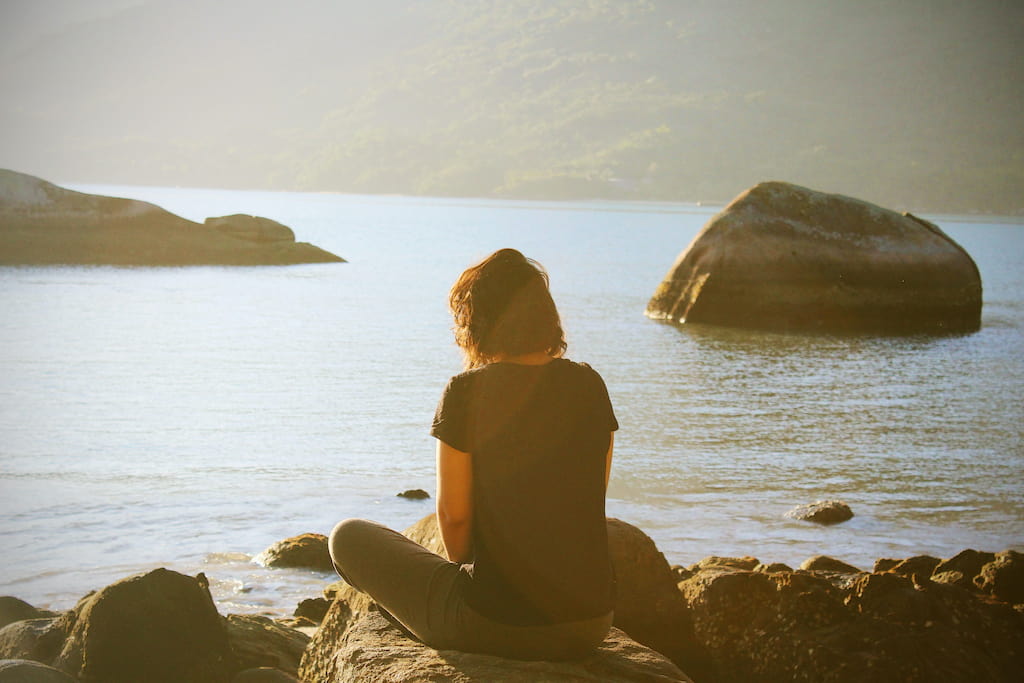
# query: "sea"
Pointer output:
{"type": "Point", "coordinates": [188, 418]}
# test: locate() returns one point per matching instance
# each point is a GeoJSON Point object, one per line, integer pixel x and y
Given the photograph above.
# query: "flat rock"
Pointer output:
{"type": "Point", "coordinates": [43, 224]}
{"type": "Point", "coordinates": [374, 650]}
{"type": "Point", "coordinates": [786, 257]}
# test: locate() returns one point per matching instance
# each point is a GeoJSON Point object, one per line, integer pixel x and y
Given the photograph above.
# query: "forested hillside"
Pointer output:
{"type": "Point", "coordinates": [913, 104]}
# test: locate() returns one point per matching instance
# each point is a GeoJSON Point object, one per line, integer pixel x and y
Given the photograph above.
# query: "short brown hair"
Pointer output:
{"type": "Point", "coordinates": [502, 307]}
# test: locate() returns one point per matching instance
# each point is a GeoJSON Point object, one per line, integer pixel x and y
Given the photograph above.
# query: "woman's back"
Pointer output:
{"type": "Point", "coordinates": [539, 436]}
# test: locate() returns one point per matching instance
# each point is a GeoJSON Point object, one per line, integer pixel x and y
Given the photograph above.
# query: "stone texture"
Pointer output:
{"type": "Point", "coordinates": [41, 224]}
{"type": "Point", "coordinates": [263, 675]}
{"type": "Point", "coordinates": [14, 609]}
{"type": "Point", "coordinates": [824, 563]}
{"type": "Point", "coordinates": [27, 671]}
{"type": "Point", "coordinates": [781, 256]}
{"type": "Point", "coordinates": [797, 626]}
{"type": "Point", "coordinates": [1003, 577]}
{"type": "Point", "coordinates": [157, 627]}
{"type": "Point", "coordinates": [260, 642]}
{"type": "Point", "coordinates": [307, 551]}
{"type": "Point", "coordinates": [922, 565]}
{"type": "Point", "coordinates": [374, 650]}
{"type": "Point", "coordinates": [36, 639]}
{"type": "Point", "coordinates": [313, 609]}
{"type": "Point", "coordinates": [822, 512]}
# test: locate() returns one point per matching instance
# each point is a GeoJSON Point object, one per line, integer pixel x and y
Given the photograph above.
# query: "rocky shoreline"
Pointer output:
{"type": "Point", "coordinates": [720, 619]}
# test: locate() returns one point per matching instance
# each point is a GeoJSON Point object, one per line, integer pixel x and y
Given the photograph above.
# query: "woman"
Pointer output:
{"type": "Point", "coordinates": [524, 449]}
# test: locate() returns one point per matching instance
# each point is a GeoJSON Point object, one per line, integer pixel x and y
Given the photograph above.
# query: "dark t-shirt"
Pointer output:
{"type": "Point", "coordinates": [538, 436]}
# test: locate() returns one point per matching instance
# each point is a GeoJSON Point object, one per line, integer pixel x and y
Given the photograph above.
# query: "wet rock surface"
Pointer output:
{"type": "Point", "coordinates": [786, 257]}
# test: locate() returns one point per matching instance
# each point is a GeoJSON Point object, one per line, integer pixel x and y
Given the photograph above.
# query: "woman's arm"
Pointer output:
{"type": "Point", "coordinates": [608, 460]}
{"type": "Point", "coordinates": [455, 502]}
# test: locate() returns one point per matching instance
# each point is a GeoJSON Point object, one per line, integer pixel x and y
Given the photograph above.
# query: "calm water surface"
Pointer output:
{"type": "Point", "coordinates": [189, 417]}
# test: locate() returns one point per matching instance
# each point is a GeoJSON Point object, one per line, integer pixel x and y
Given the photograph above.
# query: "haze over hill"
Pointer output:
{"type": "Point", "coordinates": [911, 103]}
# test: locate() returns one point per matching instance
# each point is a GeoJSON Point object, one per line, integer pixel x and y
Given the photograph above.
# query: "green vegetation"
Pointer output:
{"type": "Point", "coordinates": [911, 105]}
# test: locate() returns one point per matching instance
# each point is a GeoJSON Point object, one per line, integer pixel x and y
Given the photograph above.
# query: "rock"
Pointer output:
{"type": "Point", "coordinates": [1003, 577]}
{"type": "Point", "coordinates": [13, 609]}
{"type": "Point", "coordinates": [42, 224]}
{"type": "Point", "coordinates": [159, 626]}
{"type": "Point", "coordinates": [648, 605]}
{"type": "Point", "coordinates": [414, 494]}
{"type": "Point", "coordinates": [252, 228]}
{"type": "Point", "coordinates": [298, 623]}
{"type": "Point", "coordinates": [800, 626]}
{"type": "Point", "coordinates": [648, 608]}
{"type": "Point", "coordinates": [713, 562]}
{"type": "Point", "coordinates": [781, 256]}
{"type": "Point", "coordinates": [884, 564]}
{"type": "Point", "coordinates": [312, 608]}
{"type": "Point", "coordinates": [27, 671]}
{"type": "Point", "coordinates": [263, 675]}
{"type": "Point", "coordinates": [922, 565]}
{"type": "Point", "coordinates": [824, 563]}
{"type": "Point", "coordinates": [307, 551]}
{"type": "Point", "coordinates": [822, 512]}
{"type": "Point", "coordinates": [260, 642]}
{"type": "Point", "coordinates": [374, 650]}
{"type": "Point", "coordinates": [961, 569]}
{"type": "Point", "coordinates": [773, 568]}
{"type": "Point", "coordinates": [36, 639]}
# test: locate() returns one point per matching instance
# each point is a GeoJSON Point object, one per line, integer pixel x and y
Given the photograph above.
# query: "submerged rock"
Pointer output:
{"type": "Point", "coordinates": [786, 257]}
{"type": "Point", "coordinates": [414, 494]}
{"type": "Point", "coordinates": [822, 512]}
{"type": "Point", "coordinates": [43, 224]}
{"type": "Point", "coordinates": [307, 551]}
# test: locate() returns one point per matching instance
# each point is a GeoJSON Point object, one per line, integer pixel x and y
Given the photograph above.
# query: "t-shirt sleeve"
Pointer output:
{"type": "Point", "coordinates": [603, 411]}
{"type": "Point", "coordinates": [451, 419]}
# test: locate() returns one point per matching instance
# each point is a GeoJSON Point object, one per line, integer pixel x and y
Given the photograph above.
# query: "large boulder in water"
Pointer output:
{"type": "Point", "coordinates": [786, 257]}
{"type": "Point", "coordinates": [43, 224]}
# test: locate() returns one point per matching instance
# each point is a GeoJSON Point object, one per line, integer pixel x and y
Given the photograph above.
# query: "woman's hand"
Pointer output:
{"type": "Point", "coordinates": [455, 502]}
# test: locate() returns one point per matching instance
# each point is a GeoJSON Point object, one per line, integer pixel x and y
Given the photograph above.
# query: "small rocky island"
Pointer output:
{"type": "Point", "coordinates": [785, 257]}
{"type": "Point", "coordinates": [43, 224]}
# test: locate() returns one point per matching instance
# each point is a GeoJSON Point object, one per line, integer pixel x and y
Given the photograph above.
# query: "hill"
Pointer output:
{"type": "Point", "coordinates": [912, 105]}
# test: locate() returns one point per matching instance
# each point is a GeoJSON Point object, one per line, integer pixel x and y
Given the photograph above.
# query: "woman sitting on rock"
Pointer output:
{"type": "Point", "coordinates": [524, 448]}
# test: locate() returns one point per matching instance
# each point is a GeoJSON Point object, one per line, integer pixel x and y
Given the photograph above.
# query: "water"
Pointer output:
{"type": "Point", "coordinates": [189, 417]}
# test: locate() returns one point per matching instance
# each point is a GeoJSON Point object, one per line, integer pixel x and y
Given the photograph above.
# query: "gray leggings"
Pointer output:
{"type": "Point", "coordinates": [425, 592]}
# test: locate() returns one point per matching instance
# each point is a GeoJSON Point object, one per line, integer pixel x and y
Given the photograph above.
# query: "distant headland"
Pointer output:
{"type": "Point", "coordinates": [44, 224]}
